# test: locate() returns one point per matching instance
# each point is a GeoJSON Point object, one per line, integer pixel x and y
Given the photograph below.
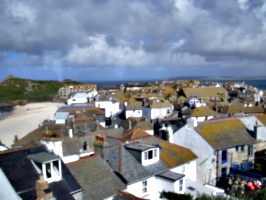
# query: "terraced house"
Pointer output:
{"type": "Point", "coordinates": [219, 144]}
{"type": "Point", "coordinates": [147, 164]}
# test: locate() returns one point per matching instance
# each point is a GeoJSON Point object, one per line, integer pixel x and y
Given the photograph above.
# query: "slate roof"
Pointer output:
{"type": "Point", "coordinates": [204, 92]}
{"type": "Point", "coordinates": [22, 175]}
{"type": "Point", "coordinates": [131, 170]}
{"type": "Point", "coordinates": [136, 123]}
{"type": "Point", "coordinates": [33, 138]}
{"type": "Point", "coordinates": [172, 176]}
{"type": "Point", "coordinates": [224, 134]}
{"type": "Point", "coordinates": [96, 178]}
{"type": "Point", "coordinates": [43, 157]}
{"type": "Point", "coordinates": [203, 111]}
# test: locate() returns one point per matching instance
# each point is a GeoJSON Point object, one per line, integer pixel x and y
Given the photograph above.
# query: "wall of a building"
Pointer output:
{"type": "Point", "coordinates": [136, 189]}
{"type": "Point", "coordinates": [205, 164]}
{"type": "Point", "coordinates": [135, 113]}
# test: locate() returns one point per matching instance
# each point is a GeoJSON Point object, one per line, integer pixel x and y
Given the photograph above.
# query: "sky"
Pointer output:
{"type": "Point", "coordinates": [97, 40]}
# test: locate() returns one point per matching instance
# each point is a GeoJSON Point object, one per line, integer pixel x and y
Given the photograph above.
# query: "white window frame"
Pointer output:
{"type": "Point", "coordinates": [144, 187]}
{"type": "Point", "coordinates": [181, 183]}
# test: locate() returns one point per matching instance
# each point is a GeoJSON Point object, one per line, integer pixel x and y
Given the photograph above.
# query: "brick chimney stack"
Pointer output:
{"type": "Point", "coordinates": [101, 146]}
{"type": "Point", "coordinates": [42, 188]}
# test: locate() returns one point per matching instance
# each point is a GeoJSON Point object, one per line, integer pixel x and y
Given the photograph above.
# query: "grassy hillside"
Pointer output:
{"type": "Point", "coordinates": [33, 90]}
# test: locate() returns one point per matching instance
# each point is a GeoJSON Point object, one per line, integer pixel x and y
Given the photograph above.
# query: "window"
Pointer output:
{"type": "Point", "coordinates": [250, 151]}
{"type": "Point", "coordinates": [155, 152]}
{"type": "Point", "coordinates": [183, 169]}
{"type": "Point", "coordinates": [237, 148]}
{"type": "Point", "coordinates": [242, 148]}
{"type": "Point", "coordinates": [168, 111]}
{"type": "Point", "coordinates": [180, 185]}
{"type": "Point", "coordinates": [144, 186]}
{"type": "Point", "coordinates": [224, 156]}
{"type": "Point", "coordinates": [148, 155]}
{"type": "Point", "coordinates": [224, 172]}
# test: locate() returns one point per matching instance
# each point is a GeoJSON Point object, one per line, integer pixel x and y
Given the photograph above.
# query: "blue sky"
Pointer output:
{"type": "Point", "coordinates": [130, 39]}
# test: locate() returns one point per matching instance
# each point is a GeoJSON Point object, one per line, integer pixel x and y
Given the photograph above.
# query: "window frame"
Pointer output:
{"type": "Point", "coordinates": [181, 183]}
{"type": "Point", "coordinates": [250, 150]}
{"type": "Point", "coordinates": [144, 188]}
{"type": "Point", "coordinates": [224, 156]}
{"type": "Point", "coordinates": [237, 148]}
{"type": "Point", "coordinates": [242, 148]}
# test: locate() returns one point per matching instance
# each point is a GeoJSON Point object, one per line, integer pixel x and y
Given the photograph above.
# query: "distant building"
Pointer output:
{"type": "Point", "coordinates": [64, 92]}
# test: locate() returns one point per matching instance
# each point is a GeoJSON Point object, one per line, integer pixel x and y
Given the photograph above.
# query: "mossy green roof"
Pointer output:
{"type": "Point", "coordinates": [203, 111]}
{"type": "Point", "coordinates": [225, 134]}
{"type": "Point", "coordinates": [262, 119]}
{"type": "Point", "coordinates": [204, 92]}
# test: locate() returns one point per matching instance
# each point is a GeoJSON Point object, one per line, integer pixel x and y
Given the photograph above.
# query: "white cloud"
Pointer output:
{"type": "Point", "coordinates": [135, 34]}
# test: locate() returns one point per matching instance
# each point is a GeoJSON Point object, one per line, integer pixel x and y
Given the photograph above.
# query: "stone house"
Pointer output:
{"type": "Point", "coordinates": [218, 144]}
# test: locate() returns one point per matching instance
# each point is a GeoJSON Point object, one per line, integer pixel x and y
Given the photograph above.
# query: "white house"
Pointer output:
{"type": "Point", "coordinates": [111, 107]}
{"type": "Point", "coordinates": [193, 102]}
{"type": "Point", "coordinates": [70, 149]}
{"type": "Point", "coordinates": [134, 109]}
{"type": "Point", "coordinates": [61, 117]}
{"type": "Point", "coordinates": [151, 165]}
{"type": "Point", "coordinates": [216, 146]}
{"type": "Point", "coordinates": [157, 108]}
{"type": "Point", "coordinates": [80, 97]}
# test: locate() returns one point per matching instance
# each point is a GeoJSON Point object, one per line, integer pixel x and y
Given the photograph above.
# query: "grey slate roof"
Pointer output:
{"type": "Point", "coordinates": [96, 178]}
{"type": "Point", "coordinates": [22, 175]}
{"type": "Point", "coordinates": [172, 176]}
{"type": "Point", "coordinates": [132, 170]}
{"type": "Point", "coordinates": [43, 157]}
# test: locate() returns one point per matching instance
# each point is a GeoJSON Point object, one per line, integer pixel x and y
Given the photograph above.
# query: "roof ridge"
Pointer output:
{"type": "Point", "coordinates": [228, 118]}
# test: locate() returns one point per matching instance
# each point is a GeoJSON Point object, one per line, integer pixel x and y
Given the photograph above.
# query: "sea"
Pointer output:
{"type": "Point", "coordinates": [258, 83]}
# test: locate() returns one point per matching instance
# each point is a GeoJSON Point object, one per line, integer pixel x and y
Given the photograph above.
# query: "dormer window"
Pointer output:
{"type": "Point", "coordinates": [47, 164]}
{"type": "Point", "coordinates": [150, 154]}
{"type": "Point", "coordinates": [144, 153]}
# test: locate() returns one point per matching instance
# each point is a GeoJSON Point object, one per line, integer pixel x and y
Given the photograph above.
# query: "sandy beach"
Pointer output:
{"type": "Point", "coordinates": [24, 119]}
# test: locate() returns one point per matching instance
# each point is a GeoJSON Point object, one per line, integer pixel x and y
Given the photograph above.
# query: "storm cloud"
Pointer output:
{"type": "Point", "coordinates": [125, 38]}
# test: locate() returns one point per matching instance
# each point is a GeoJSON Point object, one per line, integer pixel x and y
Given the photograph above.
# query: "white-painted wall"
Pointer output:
{"type": "Point", "coordinates": [55, 146]}
{"type": "Point", "coordinates": [205, 164]}
{"type": "Point", "coordinates": [163, 184]}
{"type": "Point", "coordinates": [151, 132]}
{"type": "Point", "coordinates": [136, 189]}
{"type": "Point", "coordinates": [201, 119]}
{"type": "Point", "coordinates": [188, 169]}
{"type": "Point", "coordinates": [160, 112]}
{"type": "Point", "coordinates": [110, 108]}
{"type": "Point", "coordinates": [135, 113]}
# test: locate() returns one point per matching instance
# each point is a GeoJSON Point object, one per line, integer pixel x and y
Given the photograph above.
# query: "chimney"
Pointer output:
{"type": "Point", "coordinates": [258, 131]}
{"type": "Point", "coordinates": [70, 133]}
{"type": "Point", "coordinates": [101, 146]}
{"type": "Point", "coordinates": [46, 130]}
{"type": "Point", "coordinates": [129, 124]}
{"type": "Point", "coordinates": [191, 123]}
{"type": "Point", "coordinates": [42, 189]}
